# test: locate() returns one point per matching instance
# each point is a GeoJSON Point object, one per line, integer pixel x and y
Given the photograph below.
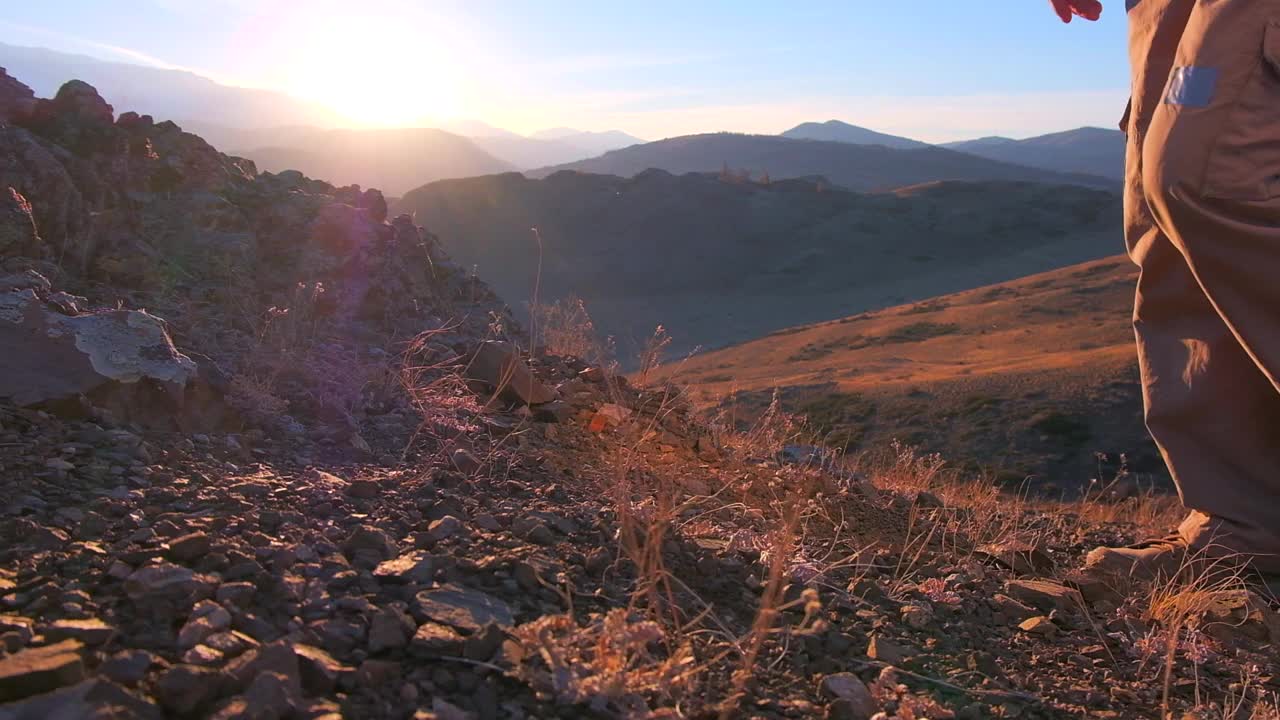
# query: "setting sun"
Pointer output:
{"type": "Point", "coordinates": [373, 74]}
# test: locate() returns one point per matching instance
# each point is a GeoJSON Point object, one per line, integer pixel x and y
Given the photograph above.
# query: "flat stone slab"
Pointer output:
{"type": "Point", "coordinates": [39, 670]}
{"type": "Point", "coordinates": [463, 608]}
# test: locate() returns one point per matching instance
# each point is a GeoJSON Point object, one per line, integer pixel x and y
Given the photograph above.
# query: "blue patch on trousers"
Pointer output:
{"type": "Point", "coordinates": [1191, 86]}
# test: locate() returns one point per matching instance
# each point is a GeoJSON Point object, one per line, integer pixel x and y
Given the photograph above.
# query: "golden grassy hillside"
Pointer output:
{"type": "Point", "coordinates": [1030, 378]}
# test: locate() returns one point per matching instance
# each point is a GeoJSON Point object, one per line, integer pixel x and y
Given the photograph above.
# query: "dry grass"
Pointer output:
{"type": "Point", "coordinates": [565, 328]}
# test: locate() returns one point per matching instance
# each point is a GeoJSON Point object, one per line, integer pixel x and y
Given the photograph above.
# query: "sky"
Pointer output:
{"type": "Point", "coordinates": [935, 70]}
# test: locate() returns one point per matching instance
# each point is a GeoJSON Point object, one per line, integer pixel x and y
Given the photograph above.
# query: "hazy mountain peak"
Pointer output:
{"type": "Point", "coordinates": [839, 131]}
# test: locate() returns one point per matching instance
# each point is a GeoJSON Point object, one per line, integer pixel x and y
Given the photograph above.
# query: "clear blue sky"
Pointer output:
{"type": "Point", "coordinates": [931, 69]}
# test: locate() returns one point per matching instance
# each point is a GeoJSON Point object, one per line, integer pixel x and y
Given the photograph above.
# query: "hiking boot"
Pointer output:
{"type": "Point", "coordinates": [1147, 560]}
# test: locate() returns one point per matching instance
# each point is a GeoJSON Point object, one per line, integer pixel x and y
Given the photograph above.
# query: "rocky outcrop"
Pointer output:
{"type": "Point", "coordinates": [16, 99]}
{"type": "Point", "coordinates": [130, 212]}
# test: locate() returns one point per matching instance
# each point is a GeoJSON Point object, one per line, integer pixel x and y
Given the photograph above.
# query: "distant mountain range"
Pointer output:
{"type": "Point", "coordinates": [719, 261]}
{"type": "Point", "coordinates": [277, 130]}
{"type": "Point", "coordinates": [551, 147]}
{"type": "Point", "coordinates": [837, 131]}
{"type": "Point", "coordinates": [395, 161]}
{"type": "Point", "coordinates": [847, 165]}
{"type": "Point", "coordinates": [1095, 151]}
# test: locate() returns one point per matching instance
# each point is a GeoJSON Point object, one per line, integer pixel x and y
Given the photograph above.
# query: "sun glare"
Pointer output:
{"type": "Point", "coordinates": [374, 74]}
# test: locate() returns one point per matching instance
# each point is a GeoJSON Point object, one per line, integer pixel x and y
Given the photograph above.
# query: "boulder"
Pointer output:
{"type": "Point", "coordinates": [55, 353]}
{"type": "Point", "coordinates": [499, 366]}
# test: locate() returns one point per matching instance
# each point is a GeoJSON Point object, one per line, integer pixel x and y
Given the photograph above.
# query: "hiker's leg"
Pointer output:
{"type": "Point", "coordinates": [1208, 309]}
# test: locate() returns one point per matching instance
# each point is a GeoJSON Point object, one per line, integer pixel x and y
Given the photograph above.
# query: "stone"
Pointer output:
{"type": "Point", "coordinates": [859, 704]}
{"type": "Point", "coordinates": [432, 638]}
{"type": "Point", "coordinates": [197, 629]}
{"type": "Point", "coordinates": [363, 489]}
{"type": "Point", "coordinates": [368, 538]}
{"type": "Point", "coordinates": [465, 461]}
{"type": "Point", "coordinates": [444, 528]}
{"type": "Point", "coordinates": [1045, 595]}
{"type": "Point", "coordinates": [319, 671]}
{"type": "Point", "coordinates": [235, 593]}
{"type": "Point", "coordinates": [203, 655]}
{"type": "Point", "coordinates": [277, 657]}
{"type": "Point", "coordinates": [127, 667]}
{"type": "Point", "coordinates": [159, 580]}
{"type": "Point", "coordinates": [888, 651]}
{"type": "Point", "coordinates": [377, 673]}
{"type": "Point", "coordinates": [1038, 625]}
{"type": "Point", "coordinates": [916, 616]}
{"type": "Point", "coordinates": [609, 415]}
{"type": "Point", "coordinates": [411, 568]}
{"type": "Point", "coordinates": [557, 411]}
{"type": "Point", "coordinates": [184, 688]}
{"type": "Point", "coordinates": [390, 629]}
{"type": "Point", "coordinates": [482, 645]}
{"type": "Point", "coordinates": [1011, 608]}
{"type": "Point", "coordinates": [1020, 557]}
{"type": "Point", "coordinates": [90, 631]}
{"type": "Point", "coordinates": [40, 670]}
{"type": "Point", "coordinates": [190, 547]}
{"type": "Point", "coordinates": [462, 608]}
{"type": "Point", "coordinates": [498, 365]}
{"type": "Point", "coordinates": [24, 627]}
{"type": "Point", "coordinates": [94, 699]}
{"type": "Point", "coordinates": [272, 694]}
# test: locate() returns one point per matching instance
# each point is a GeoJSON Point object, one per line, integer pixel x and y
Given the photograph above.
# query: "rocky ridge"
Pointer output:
{"type": "Point", "coordinates": [370, 499]}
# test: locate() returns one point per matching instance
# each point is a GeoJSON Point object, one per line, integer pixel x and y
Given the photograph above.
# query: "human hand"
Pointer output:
{"type": "Point", "coordinates": [1087, 9]}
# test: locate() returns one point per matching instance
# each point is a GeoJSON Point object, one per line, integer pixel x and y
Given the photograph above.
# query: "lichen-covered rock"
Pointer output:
{"type": "Point", "coordinates": [52, 355]}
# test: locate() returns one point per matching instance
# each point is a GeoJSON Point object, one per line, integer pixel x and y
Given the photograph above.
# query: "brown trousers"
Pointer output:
{"type": "Point", "coordinates": [1202, 221]}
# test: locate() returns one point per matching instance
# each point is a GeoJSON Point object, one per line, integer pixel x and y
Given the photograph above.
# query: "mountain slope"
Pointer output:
{"type": "Point", "coordinates": [1095, 151]}
{"type": "Point", "coordinates": [394, 160]}
{"type": "Point", "coordinates": [855, 167]}
{"type": "Point", "coordinates": [1029, 378]}
{"type": "Point", "coordinates": [837, 131]}
{"type": "Point", "coordinates": [197, 103]}
{"type": "Point", "coordinates": [718, 262]}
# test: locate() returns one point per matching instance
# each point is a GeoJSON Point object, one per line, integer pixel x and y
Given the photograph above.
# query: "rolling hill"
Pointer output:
{"type": "Point", "coordinates": [393, 160]}
{"type": "Point", "coordinates": [718, 262]}
{"type": "Point", "coordinates": [854, 167]}
{"type": "Point", "coordinates": [837, 131]}
{"type": "Point", "coordinates": [1026, 379]}
{"type": "Point", "coordinates": [1095, 151]}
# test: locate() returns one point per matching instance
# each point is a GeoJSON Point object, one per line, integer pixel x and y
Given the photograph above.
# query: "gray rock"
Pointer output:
{"type": "Point", "coordinates": [184, 688]}
{"type": "Point", "coordinates": [390, 629]}
{"type": "Point", "coordinates": [858, 704]}
{"type": "Point", "coordinates": [463, 608]}
{"type": "Point", "coordinates": [1045, 595]}
{"type": "Point", "coordinates": [412, 568]}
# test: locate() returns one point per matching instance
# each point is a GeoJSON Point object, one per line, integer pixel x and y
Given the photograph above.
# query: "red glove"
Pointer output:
{"type": "Point", "coordinates": [1087, 9]}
